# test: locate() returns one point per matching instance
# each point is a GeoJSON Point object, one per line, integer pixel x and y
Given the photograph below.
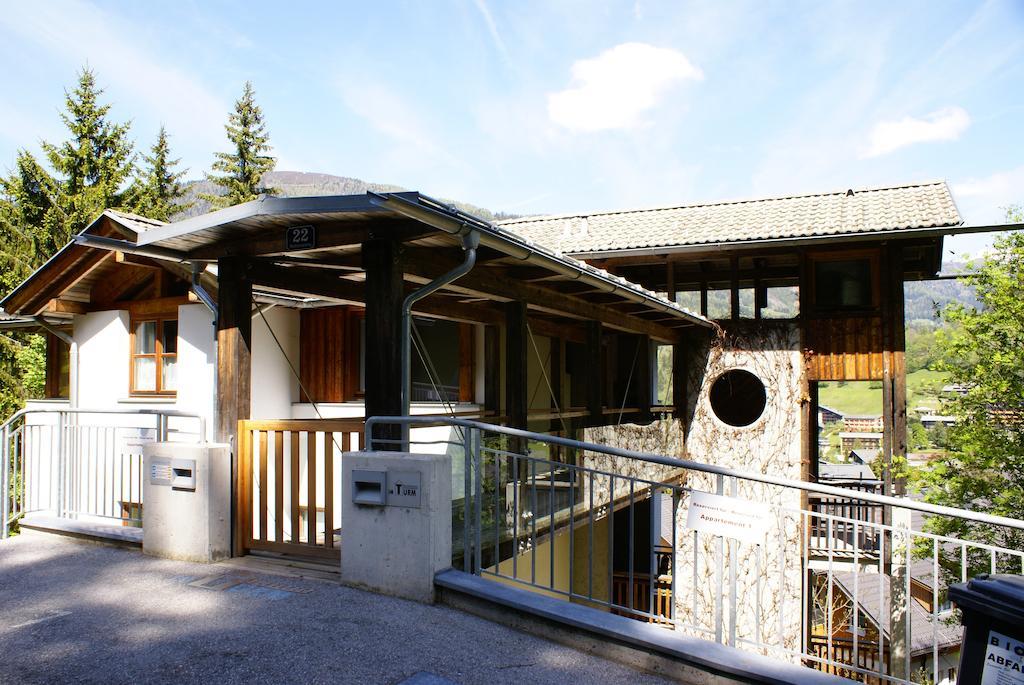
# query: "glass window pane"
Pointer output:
{"type": "Point", "coordinates": [438, 379]}
{"type": "Point", "coordinates": [783, 302]}
{"type": "Point", "coordinates": [145, 374]}
{"type": "Point", "coordinates": [145, 337]}
{"type": "Point", "coordinates": [844, 283]}
{"type": "Point", "coordinates": [169, 338]}
{"type": "Point", "coordinates": [169, 377]}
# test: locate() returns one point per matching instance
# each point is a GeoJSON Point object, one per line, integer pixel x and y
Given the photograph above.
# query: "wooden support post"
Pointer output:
{"type": "Point", "coordinates": [492, 370]}
{"type": "Point", "coordinates": [643, 376]}
{"type": "Point", "coordinates": [894, 428]}
{"type": "Point", "coordinates": [234, 381]}
{"type": "Point", "coordinates": [596, 375]}
{"type": "Point", "coordinates": [670, 280]}
{"type": "Point", "coordinates": [515, 364]}
{"type": "Point", "coordinates": [234, 348]}
{"type": "Point", "coordinates": [383, 366]}
{"type": "Point", "coordinates": [734, 288]}
{"type": "Point", "coordinates": [679, 380]}
{"type": "Point", "coordinates": [555, 377]}
{"type": "Point", "coordinates": [760, 291]}
{"type": "Point", "coordinates": [704, 282]}
{"type": "Point", "coordinates": [899, 367]}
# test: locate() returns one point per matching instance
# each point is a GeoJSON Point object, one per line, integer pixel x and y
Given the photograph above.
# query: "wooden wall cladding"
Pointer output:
{"type": "Point", "coordinates": [848, 349]}
{"type": "Point", "coordinates": [321, 354]}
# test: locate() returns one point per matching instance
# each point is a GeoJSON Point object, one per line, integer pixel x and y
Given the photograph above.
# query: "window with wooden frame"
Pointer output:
{"type": "Point", "coordinates": [154, 356]}
{"type": "Point", "coordinates": [332, 357]}
{"type": "Point", "coordinates": [58, 368]}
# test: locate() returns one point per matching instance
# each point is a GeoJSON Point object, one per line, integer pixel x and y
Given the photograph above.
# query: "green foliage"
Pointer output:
{"type": "Point", "coordinates": [984, 469]}
{"type": "Point", "coordinates": [922, 348]}
{"type": "Point", "coordinates": [93, 165]}
{"type": "Point", "coordinates": [241, 170]}
{"type": "Point", "coordinates": [31, 360]}
{"type": "Point", "coordinates": [158, 190]}
{"type": "Point", "coordinates": [41, 209]}
{"type": "Point", "coordinates": [917, 435]}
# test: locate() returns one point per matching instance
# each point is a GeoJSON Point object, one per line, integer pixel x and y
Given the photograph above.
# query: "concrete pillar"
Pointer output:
{"type": "Point", "coordinates": [395, 545]}
{"type": "Point", "coordinates": [182, 519]}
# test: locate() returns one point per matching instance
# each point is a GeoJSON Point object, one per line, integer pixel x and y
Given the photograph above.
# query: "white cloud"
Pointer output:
{"type": "Point", "coordinates": [984, 200]}
{"type": "Point", "coordinates": [614, 89]}
{"type": "Point", "coordinates": [947, 123]}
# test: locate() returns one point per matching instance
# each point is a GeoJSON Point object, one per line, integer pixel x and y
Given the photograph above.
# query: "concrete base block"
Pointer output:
{"type": "Point", "coordinates": [396, 550]}
{"type": "Point", "coordinates": [180, 523]}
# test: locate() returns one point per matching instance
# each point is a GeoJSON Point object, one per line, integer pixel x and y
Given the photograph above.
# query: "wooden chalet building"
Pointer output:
{"type": "Point", "coordinates": [289, 310]}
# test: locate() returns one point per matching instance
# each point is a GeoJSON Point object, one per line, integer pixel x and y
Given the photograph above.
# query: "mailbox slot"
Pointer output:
{"type": "Point", "coordinates": [183, 474]}
{"type": "Point", "coordinates": [368, 488]}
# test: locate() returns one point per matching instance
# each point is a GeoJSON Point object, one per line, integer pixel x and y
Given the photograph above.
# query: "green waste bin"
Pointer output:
{"type": "Point", "coordinates": [992, 607]}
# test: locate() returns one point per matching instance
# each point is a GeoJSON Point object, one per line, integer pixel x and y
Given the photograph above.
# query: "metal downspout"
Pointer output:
{"type": "Point", "coordinates": [200, 291]}
{"type": "Point", "coordinates": [470, 242]}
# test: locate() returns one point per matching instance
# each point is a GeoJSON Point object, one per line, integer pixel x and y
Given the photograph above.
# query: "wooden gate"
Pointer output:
{"type": "Point", "coordinates": [289, 485]}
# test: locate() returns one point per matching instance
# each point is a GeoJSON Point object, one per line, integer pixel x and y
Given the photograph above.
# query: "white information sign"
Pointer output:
{"type": "Point", "coordinates": [1004, 660]}
{"type": "Point", "coordinates": [728, 516]}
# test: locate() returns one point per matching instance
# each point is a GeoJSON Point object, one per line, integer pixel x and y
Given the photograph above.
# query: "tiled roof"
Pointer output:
{"type": "Point", "coordinates": [846, 212]}
{"type": "Point", "coordinates": [874, 602]}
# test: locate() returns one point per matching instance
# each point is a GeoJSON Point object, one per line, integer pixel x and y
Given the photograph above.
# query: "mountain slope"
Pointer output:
{"type": "Point", "coordinates": [303, 184]}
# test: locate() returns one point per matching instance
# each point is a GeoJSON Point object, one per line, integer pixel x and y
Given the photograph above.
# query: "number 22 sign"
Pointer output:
{"type": "Point", "coordinates": [300, 238]}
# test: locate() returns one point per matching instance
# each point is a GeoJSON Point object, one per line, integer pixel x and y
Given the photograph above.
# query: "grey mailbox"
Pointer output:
{"type": "Point", "coordinates": [368, 487]}
{"type": "Point", "coordinates": [179, 474]}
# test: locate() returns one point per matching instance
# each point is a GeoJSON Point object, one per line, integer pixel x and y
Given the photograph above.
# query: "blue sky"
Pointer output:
{"type": "Point", "coordinates": [539, 107]}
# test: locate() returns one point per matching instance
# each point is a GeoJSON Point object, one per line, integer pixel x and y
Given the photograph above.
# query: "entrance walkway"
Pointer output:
{"type": "Point", "coordinates": [82, 612]}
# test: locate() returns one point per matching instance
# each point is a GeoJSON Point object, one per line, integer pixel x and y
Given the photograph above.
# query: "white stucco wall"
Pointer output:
{"type": "Point", "coordinates": [274, 386]}
{"type": "Point", "coordinates": [768, 597]}
{"type": "Point", "coordinates": [197, 362]}
{"type": "Point", "coordinates": [103, 349]}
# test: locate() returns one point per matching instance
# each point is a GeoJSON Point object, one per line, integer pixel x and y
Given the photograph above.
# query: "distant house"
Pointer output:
{"type": "Point", "coordinates": [870, 594]}
{"type": "Point", "coordinates": [852, 440]}
{"type": "Point", "coordinates": [864, 423]}
{"type": "Point", "coordinates": [932, 420]}
{"type": "Point", "coordinates": [832, 474]}
{"type": "Point", "coordinates": [954, 389]}
{"type": "Point", "coordinates": [862, 456]}
{"type": "Point", "coordinates": [828, 416]}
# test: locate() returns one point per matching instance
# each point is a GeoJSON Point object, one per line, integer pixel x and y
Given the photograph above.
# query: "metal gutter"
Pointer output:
{"type": "Point", "coordinates": [798, 241]}
{"type": "Point", "coordinates": [459, 223]}
{"type": "Point", "coordinates": [113, 244]}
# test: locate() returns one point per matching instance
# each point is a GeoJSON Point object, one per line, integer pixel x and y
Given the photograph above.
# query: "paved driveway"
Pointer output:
{"type": "Point", "coordinates": [79, 612]}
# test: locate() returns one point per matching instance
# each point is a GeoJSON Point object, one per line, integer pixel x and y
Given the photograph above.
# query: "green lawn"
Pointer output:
{"type": "Point", "coordinates": [861, 398]}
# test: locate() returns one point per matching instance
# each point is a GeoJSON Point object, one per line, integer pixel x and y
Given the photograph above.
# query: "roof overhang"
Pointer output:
{"type": "Point", "coordinates": [235, 230]}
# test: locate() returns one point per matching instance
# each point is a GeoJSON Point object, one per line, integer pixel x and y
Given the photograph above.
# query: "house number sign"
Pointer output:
{"type": "Point", "coordinates": [300, 238]}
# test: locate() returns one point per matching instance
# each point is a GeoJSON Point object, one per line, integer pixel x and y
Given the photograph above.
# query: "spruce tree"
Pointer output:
{"type": "Point", "coordinates": [92, 166]}
{"type": "Point", "coordinates": [158, 190]}
{"type": "Point", "coordinates": [241, 170]}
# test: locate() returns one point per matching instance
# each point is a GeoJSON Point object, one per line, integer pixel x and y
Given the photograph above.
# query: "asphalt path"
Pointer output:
{"type": "Point", "coordinates": [77, 612]}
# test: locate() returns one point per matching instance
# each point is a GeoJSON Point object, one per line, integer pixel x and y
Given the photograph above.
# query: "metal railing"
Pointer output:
{"type": "Point", "coordinates": [82, 464]}
{"type": "Point", "coordinates": [590, 524]}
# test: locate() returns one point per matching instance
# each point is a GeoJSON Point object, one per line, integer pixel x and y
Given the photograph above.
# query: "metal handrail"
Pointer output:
{"type": "Point", "coordinates": [886, 500]}
{"type": "Point", "coordinates": [170, 413]}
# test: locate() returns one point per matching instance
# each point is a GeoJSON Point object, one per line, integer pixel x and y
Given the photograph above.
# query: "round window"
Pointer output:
{"type": "Point", "coordinates": [738, 397]}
